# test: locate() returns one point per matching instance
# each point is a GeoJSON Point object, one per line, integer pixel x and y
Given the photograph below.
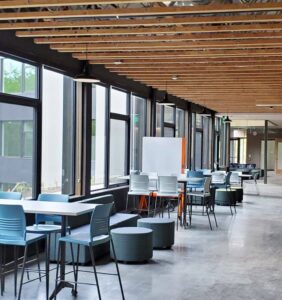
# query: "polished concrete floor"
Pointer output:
{"type": "Point", "coordinates": [242, 259]}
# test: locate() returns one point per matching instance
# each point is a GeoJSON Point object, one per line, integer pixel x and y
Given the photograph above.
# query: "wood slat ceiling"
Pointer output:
{"type": "Point", "coordinates": [227, 57]}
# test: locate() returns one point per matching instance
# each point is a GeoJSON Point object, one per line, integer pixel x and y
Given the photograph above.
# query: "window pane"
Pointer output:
{"type": "Point", "coordinates": [138, 127]}
{"type": "Point", "coordinates": [58, 123]}
{"type": "Point", "coordinates": [199, 121]}
{"type": "Point", "coordinates": [168, 132]}
{"type": "Point", "coordinates": [119, 102]}
{"type": "Point", "coordinates": [11, 138]}
{"type": "Point", "coordinates": [180, 125]}
{"type": "Point", "coordinates": [118, 151]}
{"type": "Point", "coordinates": [168, 114]}
{"type": "Point", "coordinates": [98, 141]}
{"type": "Point", "coordinates": [18, 78]}
{"type": "Point", "coordinates": [27, 138]}
{"type": "Point", "coordinates": [159, 109]}
{"type": "Point", "coordinates": [16, 172]}
{"type": "Point", "coordinates": [198, 154]}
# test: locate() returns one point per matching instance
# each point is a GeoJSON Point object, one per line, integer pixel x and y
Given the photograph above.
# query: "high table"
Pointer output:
{"type": "Point", "coordinates": [64, 209]}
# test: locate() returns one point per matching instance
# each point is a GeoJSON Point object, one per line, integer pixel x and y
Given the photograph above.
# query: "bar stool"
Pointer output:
{"type": "Point", "coordinates": [13, 233]}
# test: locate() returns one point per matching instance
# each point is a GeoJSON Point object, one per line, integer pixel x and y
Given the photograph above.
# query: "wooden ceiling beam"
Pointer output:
{"type": "Point", "coordinates": [163, 38]}
{"type": "Point", "coordinates": [189, 66]}
{"type": "Point", "coordinates": [138, 12]}
{"type": "Point", "coordinates": [188, 61]}
{"type": "Point", "coordinates": [184, 54]}
{"type": "Point", "coordinates": [172, 45]}
{"type": "Point", "coordinates": [147, 31]}
{"type": "Point", "coordinates": [198, 9]}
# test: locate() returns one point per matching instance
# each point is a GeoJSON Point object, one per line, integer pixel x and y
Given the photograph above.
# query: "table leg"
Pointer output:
{"type": "Point", "coordinates": [62, 284]}
{"type": "Point", "coordinates": [185, 225]}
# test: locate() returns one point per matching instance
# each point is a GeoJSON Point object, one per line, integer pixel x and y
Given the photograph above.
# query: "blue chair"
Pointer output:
{"type": "Point", "coordinates": [13, 233]}
{"type": "Point", "coordinates": [11, 195]}
{"type": "Point", "coordinates": [196, 180]}
{"type": "Point", "coordinates": [99, 234]}
{"type": "Point", "coordinates": [48, 224]}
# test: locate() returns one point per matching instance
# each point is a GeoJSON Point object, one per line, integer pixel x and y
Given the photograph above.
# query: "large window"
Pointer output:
{"type": "Point", "coordinates": [119, 119]}
{"type": "Point", "coordinates": [138, 131]}
{"type": "Point", "coordinates": [98, 140]}
{"type": "Point", "coordinates": [159, 119]}
{"type": "Point", "coordinates": [180, 123]}
{"type": "Point", "coordinates": [17, 148]}
{"type": "Point", "coordinates": [58, 134]}
{"type": "Point", "coordinates": [18, 78]}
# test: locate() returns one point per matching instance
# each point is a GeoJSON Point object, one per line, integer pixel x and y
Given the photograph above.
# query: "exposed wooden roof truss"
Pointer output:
{"type": "Point", "coordinates": [227, 57]}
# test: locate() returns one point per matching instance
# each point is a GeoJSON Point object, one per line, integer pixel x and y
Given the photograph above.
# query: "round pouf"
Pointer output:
{"type": "Point", "coordinates": [239, 193]}
{"type": "Point", "coordinates": [163, 231]}
{"type": "Point", "coordinates": [225, 197]}
{"type": "Point", "coordinates": [132, 244]}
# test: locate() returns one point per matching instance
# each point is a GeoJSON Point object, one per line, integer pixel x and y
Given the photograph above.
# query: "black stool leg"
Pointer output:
{"type": "Point", "coordinates": [2, 269]}
{"type": "Point", "coordinates": [22, 275]}
{"type": "Point", "coordinates": [57, 269]}
{"type": "Point", "coordinates": [94, 269]}
{"type": "Point", "coordinates": [47, 265]}
{"type": "Point", "coordinates": [118, 273]}
{"type": "Point", "coordinates": [38, 263]}
{"type": "Point", "coordinates": [15, 269]}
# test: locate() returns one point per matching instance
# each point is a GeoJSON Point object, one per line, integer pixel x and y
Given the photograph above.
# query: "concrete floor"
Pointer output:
{"type": "Point", "coordinates": [242, 259]}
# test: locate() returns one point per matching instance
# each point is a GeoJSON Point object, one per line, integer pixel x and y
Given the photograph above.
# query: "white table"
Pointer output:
{"type": "Point", "coordinates": [64, 209]}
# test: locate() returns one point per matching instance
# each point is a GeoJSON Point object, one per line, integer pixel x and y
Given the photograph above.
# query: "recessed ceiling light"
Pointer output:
{"type": "Point", "coordinates": [174, 77]}
{"type": "Point", "coordinates": [118, 62]}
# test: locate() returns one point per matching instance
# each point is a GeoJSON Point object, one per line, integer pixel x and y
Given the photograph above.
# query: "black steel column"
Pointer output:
{"type": "Point", "coordinates": [153, 113]}
{"type": "Point", "coordinates": [212, 142]}
{"type": "Point", "coordinates": [227, 144]}
{"type": "Point", "coordinates": [189, 136]}
{"type": "Point", "coordinates": [265, 150]}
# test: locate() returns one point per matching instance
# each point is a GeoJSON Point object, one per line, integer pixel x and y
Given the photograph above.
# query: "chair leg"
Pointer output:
{"type": "Point", "coordinates": [214, 217]}
{"type": "Point", "coordinates": [126, 207]}
{"type": "Point", "coordinates": [15, 270]}
{"type": "Point", "coordinates": [23, 268]}
{"type": "Point", "coordinates": [47, 257]}
{"type": "Point", "coordinates": [57, 269]}
{"type": "Point", "coordinates": [118, 273]}
{"type": "Point", "coordinates": [38, 262]}
{"type": "Point", "coordinates": [155, 210]}
{"type": "Point", "coordinates": [74, 291]}
{"type": "Point", "coordinates": [207, 211]}
{"type": "Point", "coordinates": [94, 269]}
{"type": "Point", "coordinates": [149, 204]}
{"type": "Point", "coordinates": [231, 209]}
{"type": "Point", "coordinates": [1, 269]}
{"type": "Point", "coordinates": [76, 270]}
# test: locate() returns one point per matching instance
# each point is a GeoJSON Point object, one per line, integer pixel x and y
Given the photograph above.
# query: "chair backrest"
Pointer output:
{"type": "Point", "coordinates": [39, 218]}
{"type": "Point", "coordinates": [153, 179]}
{"type": "Point", "coordinates": [195, 174]}
{"type": "Point", "coordinates": [218, 177]}
{"type": "Point", "coordinates": [235, 178]}
{"type": "Point", "coordinates": [139, 183]}
{"type": "Point", "coordinates": [12, 223]}
{"type": "Point", "coordinates": [11, 195]}
{"type": "Point", "coordinates": [100, 220]}
{"type": "Point", "coordinates": [207, 185]}
{"type": "Point", "coordinates": [168, 184]}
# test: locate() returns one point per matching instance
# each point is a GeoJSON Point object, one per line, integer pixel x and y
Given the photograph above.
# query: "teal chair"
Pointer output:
{"type": "Point", "coordinates": [99, 234]}
{"type": "Point", "coordinates": [11, 195]}
{"type": "Point", "coordinates": [13, 233]}
{"type": "Point", "coordinates": [48, 224]}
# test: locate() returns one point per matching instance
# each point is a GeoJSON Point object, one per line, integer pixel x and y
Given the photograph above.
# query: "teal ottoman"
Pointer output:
{"type": "Point", "coordinates": [132, 244]}
{"type": "Point", "coordinates": [163, 231]}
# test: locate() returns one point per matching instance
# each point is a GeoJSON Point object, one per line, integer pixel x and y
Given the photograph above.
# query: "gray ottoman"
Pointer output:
{"type": "Point", "coordinates": [225, 197]}
{"type": "Point", "coordinates": [132, 244]}
{"type": "Point", "coordinates": [239, 193]}
{"type": "Point", "coordinates": [163, 231]}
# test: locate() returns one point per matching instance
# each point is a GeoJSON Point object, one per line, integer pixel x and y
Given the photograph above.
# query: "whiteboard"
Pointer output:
{"type": "Point", "coordinates": [162, 155]}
